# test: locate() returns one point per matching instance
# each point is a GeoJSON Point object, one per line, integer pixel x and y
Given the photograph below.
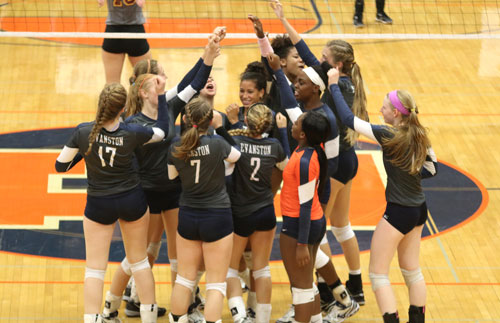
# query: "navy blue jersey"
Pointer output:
{"type": "Point", "coordinates": [251, 180]}
{"type": "Point", "coordinates": [402, 188]}
{"type": "Point", "coordinates": [293, 111]}
{"type": "Point", "coordinates": [152, 158]}
{"type": "Point", "coordinates": [203, 174]}
{"type": "Point", "coordinates": [109, 164]}
{"type": "Point", "coordinates": [346, 87]}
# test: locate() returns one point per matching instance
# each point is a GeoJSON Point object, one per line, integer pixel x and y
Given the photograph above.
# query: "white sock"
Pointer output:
{"type": "Point", "coordinates": [237, 307]}
{"type": "Point", "coordinates": [263, 313]}
{"type": "Point", "coordinates": [92, 318]}
{"type": "Point", "coordinates": [340, 294]}
{"type": "Point", "coordinates": [149, 313]}
{"type": "Point", "coordinates": [317, 318]}
{"type": "Point", "coordinates": [252, 300]}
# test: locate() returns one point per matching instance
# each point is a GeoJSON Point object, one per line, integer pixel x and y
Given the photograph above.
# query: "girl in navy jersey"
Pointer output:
{"type": "Point", "coordinates": [161, 193]}
{"type": "Point", "coordinates": [253, 209]}
{"type": "Point", "coordinates": [304, 180]}
{"type": "Point", "coordinates": [339, 53]}
{"type": "Point", "coordinates": [205, 230]}
{"type": "Point", "coordinates": [114, 193]}
{"type": "Point", "coordinates": [408, 157]}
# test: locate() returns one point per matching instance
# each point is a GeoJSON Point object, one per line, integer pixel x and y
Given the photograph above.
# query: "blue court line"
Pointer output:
{"type": "Point", "coordinates": [431, 225]}
{"type": "Point", "coordinates": [316, 12]}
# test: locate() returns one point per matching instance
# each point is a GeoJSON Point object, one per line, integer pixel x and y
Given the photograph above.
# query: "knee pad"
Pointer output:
{"type": "Point", "coordinates": [173, 265]}
{"type": "Point", "coordinates": [321, 259]}
{"type": "Point", "coordinates": [232, 273]}
{"type": "Point", "coordinates": [343, 233]}
{"type": "Point", "coordinates": [412, 276]}
{"type": "Point", "coordinates": [262, 273]}
{"type": "Point", "coordinates": [221, 287]}
{"type": "Point", "coordinates": [126, 266]}
{"type": "Point", "coordinates": [94, 273]}
{"type": "Point", "coordinates": [248, 258]}
{"type": "Point", "coordinates": [379, 280]}
{"type": "Point", "coordinates": [189, 284]}
{"type": "Point", "coordinates": [302, 296]}
{"type": "Point", "coordinates": [143, 264]}
{"type": "Point", "coordinates": [154, 249]}
{"type": "Point", "coordinates": [315, 290]}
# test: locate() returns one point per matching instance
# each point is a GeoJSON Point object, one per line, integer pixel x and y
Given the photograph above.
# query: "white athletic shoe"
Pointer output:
{"type": "Point", "coordinates": [196, 316]}
{"type": "Point", "coordinates": [339, 312]}
{"type": "Point", "coordinates": [288, 317]}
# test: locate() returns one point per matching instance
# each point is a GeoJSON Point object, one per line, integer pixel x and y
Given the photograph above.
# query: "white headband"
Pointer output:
{"type": "Point", "coordinates": [315, 78]}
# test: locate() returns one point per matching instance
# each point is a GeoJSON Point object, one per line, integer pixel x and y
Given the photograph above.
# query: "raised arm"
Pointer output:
{"type": "Point", "coordinates": [281, 122]}
{"type": "Point", "coordinates": [345, 114]}
{"type": "Point", "coordinates": [288, 101]}
{"type": "Point", "coordinates": [212, 50]}
{"type": "Point", "coordinates": [278, 10]}
{"type": "Point", "coordinates": [219, 33]}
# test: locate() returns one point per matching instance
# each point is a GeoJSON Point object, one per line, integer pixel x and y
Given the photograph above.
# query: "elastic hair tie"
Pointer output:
{"type": "Point", "coordinates": [142, 82]}
{"type": "Point", "coordinates": [195, 126]}
{"type": "Point", "coordinates": [393, 97]}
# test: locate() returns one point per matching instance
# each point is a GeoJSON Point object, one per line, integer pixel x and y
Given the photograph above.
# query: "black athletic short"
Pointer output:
{"type": "Point", "coordinates": [348, 166]}
{"type": "Point", "coordinates": [207, 225]}
{"type": "Point", "coordinates": [316, 230]}
{"type": "Point", "coordinates": [132, 47]}
{"type": "Point", "coordinates": [162, 200]}
{"type": "Point", "coordinates": [405, 218]}
{"type": "Point", "coordinates": [263, 219]}
{"type": "Point", "coordinates": [129, 206]}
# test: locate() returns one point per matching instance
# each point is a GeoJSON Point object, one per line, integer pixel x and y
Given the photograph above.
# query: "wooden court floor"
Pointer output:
{"type": "Point", "coordinates": [48, 84]}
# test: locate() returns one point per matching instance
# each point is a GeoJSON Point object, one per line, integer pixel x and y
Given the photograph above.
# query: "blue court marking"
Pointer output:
{"type": "Point", "coordinates": [452, 198]}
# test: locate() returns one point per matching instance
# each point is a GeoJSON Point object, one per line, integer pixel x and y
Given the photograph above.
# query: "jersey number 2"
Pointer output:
{"type": "Point", "coordinates": [111, 159]}
{"type": "Point", "coordinates": [254, 161]}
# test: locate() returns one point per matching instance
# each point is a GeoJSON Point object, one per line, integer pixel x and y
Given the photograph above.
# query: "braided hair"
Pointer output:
{"type": "Point", "coordinates": [111, 102]}
{"type": "Point", "coordinates": [259, 121]}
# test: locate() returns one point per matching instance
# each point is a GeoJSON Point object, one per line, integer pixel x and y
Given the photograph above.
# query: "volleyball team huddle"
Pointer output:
{"type": "Point", "coordinates": [212, 187]}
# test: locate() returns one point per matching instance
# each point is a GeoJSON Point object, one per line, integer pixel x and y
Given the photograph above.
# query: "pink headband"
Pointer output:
{"type": "Point", "coordinates": [393, 97]}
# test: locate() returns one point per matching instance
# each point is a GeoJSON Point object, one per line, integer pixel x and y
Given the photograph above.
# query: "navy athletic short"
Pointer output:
{"type": "Point", "coordinates": [405, 218]}
{"type": "Point", "coordinates": [263, 219]}
{"type": "Point", "coordinates": [128, 206]}
{"type": "Point", "coordinates": [316, 230]}
{"type": "Point", "coordinates": [132, 47]}
{"type": "Point", "coordinates": [207, 225]}
{"type": "Point", "coordinates": [348, 166]}
{"type": "Point", "coordinates": [162, 200]}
